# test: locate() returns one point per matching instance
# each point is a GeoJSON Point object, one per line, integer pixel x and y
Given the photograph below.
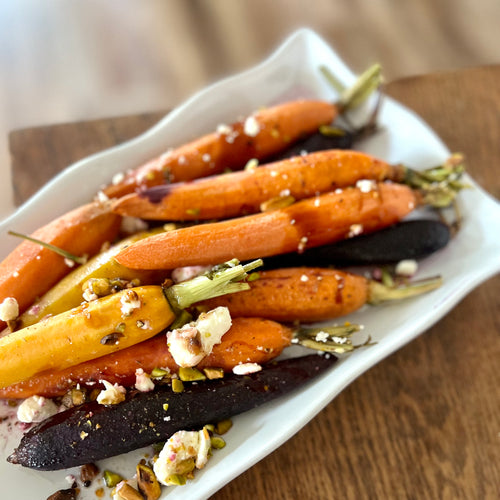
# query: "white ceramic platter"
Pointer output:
{"type": "Point", "coordinates": [291, 72]}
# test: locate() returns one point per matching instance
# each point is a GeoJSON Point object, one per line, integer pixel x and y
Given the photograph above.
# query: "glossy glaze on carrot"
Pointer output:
{"type": "Point", "coordinates": [264, 133]}
{"type": "Point", "coordinates": [249, 339]}
{"type": "Point", "coordinates": [30, 269]}
{"type": "Point", "coordinates": [303, 294]}
{"type": "Point", "coordinates": [241, 193]}
{"type": "Point", "coordinates": [309, 223]}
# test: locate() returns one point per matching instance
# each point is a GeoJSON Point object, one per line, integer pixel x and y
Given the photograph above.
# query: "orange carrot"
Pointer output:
{"type": "Point", "coordinates": [249, 339]}
{"type": "Point", "coordinates": [30, 269]}
{"type": "Point", "coordinates": [298, 294]}
{"type": "Point", "coordinates": [267, 132]}
{"type": "Point", "coordinates": [309, 223]}
{"type": "Point", "coordinates": [241, 193]}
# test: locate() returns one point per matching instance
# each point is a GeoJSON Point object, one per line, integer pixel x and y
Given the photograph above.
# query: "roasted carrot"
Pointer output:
{"type": "Point", "coordinates": [311, 294]}
{"type": "Point", "coordinates": [309, 223]}
{"type": "Point", "coordinates": [263, 134]}
{"type": "Point", "coordinates": [241, 193]}
{"type": "Point", "coordinates": [30, 269]}
{"type": "Point", "coordinates": [97, 272]}
{"type": "Point", "coordinates": [248, 340]}
{"type": "Point", "coordinates": [107, 324]}
{"type": "Point", "coordinates": [272, 130]}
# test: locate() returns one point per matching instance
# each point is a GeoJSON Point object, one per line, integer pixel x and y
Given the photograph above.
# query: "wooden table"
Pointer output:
{"type": "Point", "coordinates": [425, 422]}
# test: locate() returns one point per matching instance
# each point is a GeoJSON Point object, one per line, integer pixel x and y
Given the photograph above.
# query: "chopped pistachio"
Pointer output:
{"type": "Point", "coordinates": [147, 483]}
{"type": "Point", "coordinates": [253, 276]}
{"type": "Point", "coordinates": [223, 426]}
{"type": "Point", "coordinates": [193, 211]}
{"type": "Point", "coordinates": [213, 373]}
{"type": "Point", "coordinates": [217, 442]}
{"type": "Point", "coordinates": [159, 373]}
{"type": "Point", "coordinates": [111, 479]}
{"type": "Point", "coordinates": [177, 385]}
{"type": "Point", "coordinates": [176, 479]}
{"type": "Point", "coordinates": [190, 374]}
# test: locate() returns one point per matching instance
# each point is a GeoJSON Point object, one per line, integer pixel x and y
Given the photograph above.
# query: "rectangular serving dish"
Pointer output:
{"type": "Point", "coordinates": [291, 72]}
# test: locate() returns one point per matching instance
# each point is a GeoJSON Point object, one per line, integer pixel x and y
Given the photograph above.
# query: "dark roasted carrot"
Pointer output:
{"type": "Point", "coordinates": [241, 193]}
{"type": "Point", "coordinates": [30, 269]}
{"type": "Point", "coordinates": [249, 339]}
{"type": "Point", "coordinates": [309, 223]}
{"type": "Point", "coordinates": [268, 132]}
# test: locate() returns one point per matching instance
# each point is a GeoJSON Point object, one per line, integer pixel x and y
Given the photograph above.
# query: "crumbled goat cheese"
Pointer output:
{"type": "Point", "coordinates": [112, 394]}
{"type": "Point", "coordinates": [143, 382]}
{"type": "Point", "coordinates": [129, 301]}
{"type": "Point", "coordinates": [251, 126]}
{"type": "Point", "coordinates": [9, 309]}
{"type": "Point", "coordinates": [224, 129]}
{"type": "Point", "coordinates": [102, 197]}
{"type": "Point", "coordinates": [36, 409]}
{"type": "Point", "coordinates": [131, 225]}
{"type": "Point", "coordinates": [117, 178]}
{"type": "Point", "coordinates": [186, 273]}
{"type": "Point", "coordinates": [183, 446]}
{"type": "Point", "coordinates": [407, 267]}
{"type": "Point", "coordinates": [69, 262]}
{"type": "Point", "coordinates": [191, 343]}
{"type": "Point", "coordinates": [322, 337]}
{"type": "Point", "coordinates": [366, 185]}
{"type": "Point", "coordinates": [355, 230]}
{"type": "Point", "coordinates": [246, 368]}
{"type": "Point", "coordinates": [304, 278]}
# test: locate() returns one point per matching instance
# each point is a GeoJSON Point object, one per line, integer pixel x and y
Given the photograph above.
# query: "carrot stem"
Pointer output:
{"type": "Point", "coordinates": [439, 185]}
{"type": "Point", "coordinates": [57, 250]}
{"type": "Point", "coordinates": [333, 339]}
{"type": "Point", "coordinates": [352, 97]}
{"type": "Point", "coordinates": [221, 280]}
{"type": "Point", "coordinates": [378, 292]}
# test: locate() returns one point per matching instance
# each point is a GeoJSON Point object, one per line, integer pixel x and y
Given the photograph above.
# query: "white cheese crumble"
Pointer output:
{"type": "Point", "coordinates": [182, 447]}
{"type": "Point", "coordinates": [117, 178]}
{"type": "Point", "coordinates": [224, 129]}
{"type": "Point", "coordinates": [36, 409]}
{"type": "Point", "coordinates": [251, 126]}
{"type": "Point", "coordinates": [102, 197]}
{"type": "Point", "coordinates": [355, 230]}
{"type": "Point", "coordinates": [246, 368]}
{"type": "Point", "coordinates": [9, 309]}
{"type": "Point", "coordinates": [129, 302]}
{"type": "Point", "coordinates": [406, 267]}
{"type": "Point", "coordinates": [191, 343]}
{"type": "Point", "coordinates": [322, 337]}
{"type": "Point", "coordinates": [132, 225]}
{"type": "Point", "coordinates": [143, 382]}
{"type": "Point", "coordinates": [366, 185]}
{"type": "Point", "coordinates": [112, 394]}
{"type": "Point", "coordinates": [181, 274]}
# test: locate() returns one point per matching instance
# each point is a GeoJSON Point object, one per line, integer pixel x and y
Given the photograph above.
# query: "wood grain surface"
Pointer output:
{"type": "Point", "coordinates": [425, 422]}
